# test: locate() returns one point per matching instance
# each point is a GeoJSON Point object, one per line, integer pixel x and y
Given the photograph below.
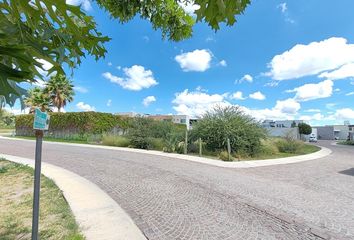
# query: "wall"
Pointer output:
{"type": "Point", "coordinates": [283, 132]}
{"type": "Point", "coordinates": [325, 133]}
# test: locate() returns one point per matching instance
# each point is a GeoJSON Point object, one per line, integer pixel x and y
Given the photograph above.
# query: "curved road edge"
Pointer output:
{"type": "Point", "coordinates": [97, 214]}
{"type": "Point", "coordinates": [242, 164]}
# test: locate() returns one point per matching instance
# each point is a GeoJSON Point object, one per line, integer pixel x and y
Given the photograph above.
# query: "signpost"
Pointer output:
{"type": "Point", "coordinates": [40, 123]}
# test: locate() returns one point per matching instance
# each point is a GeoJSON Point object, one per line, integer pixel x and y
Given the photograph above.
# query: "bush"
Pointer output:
{"type": "Point", "coordinates": [216, 126]}
{"type": "Point", "coordinates": [289, 145]}
{"type": "Point", "coordinates": [157, 144]}
{"type": "Point", "coordinates": [224, 155]}
{"type": "Point", "coordinates": [117, 141]}
{"type": "Point", "coordinates": [269, 147]}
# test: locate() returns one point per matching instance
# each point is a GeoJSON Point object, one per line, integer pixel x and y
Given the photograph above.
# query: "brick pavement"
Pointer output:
{"type": "Point", "coordinates": [176, 199]}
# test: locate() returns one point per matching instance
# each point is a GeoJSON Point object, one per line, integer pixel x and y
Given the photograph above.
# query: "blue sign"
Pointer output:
{"type": "Point", "coordinates": [41, 120]}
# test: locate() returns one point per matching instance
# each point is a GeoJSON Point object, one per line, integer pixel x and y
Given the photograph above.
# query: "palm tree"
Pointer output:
{"type": "Point", "coordinates": [38, 99]}
{"type": "Point", "coordinates": [60, 90]}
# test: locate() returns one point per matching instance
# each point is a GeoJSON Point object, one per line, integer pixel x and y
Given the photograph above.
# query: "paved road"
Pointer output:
{"type": "Point", "coordinates": [176, 199]}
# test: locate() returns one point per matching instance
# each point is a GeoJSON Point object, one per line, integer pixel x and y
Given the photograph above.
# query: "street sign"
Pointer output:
{"type": "Point", "coordinates": [40, 123]}
{"type": "Point", "coordinates": [41, 120]}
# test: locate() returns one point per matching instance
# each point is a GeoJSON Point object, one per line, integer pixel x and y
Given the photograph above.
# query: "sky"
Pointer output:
{"type": "Point", "coordinates": [281, 60]}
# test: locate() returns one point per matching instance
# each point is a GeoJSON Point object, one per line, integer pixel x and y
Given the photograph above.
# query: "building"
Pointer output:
{"type": "Point", "coordinates": [282, 128]}
{"type": "Point", "coordinates": [334, 132]}
{"type": "Point", "coordinates": [281, 123]}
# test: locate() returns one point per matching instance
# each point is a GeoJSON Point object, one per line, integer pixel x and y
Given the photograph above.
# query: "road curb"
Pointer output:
{"type": "Point", "coordinates": [97, 214]}
{"type": "Point", "coordinates": [242, 164]}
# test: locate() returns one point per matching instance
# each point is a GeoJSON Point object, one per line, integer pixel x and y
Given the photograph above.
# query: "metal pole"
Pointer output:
{"type": "Point", "coordinates": [186, 143]}
{"type": "Point", "coordinates": [229, 148]}
{"type": "Point", "coordinates": [200, 147]}
{"type": "Point", "coordinates": [37, 184]}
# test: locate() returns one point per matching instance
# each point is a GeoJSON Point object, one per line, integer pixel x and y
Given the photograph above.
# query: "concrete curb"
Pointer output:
{"type": "Point", "coordinates": [98, 215]}
{"type": "Point", "coordinates": [242, 164]}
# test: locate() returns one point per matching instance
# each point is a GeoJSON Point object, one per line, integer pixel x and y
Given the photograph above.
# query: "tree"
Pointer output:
{"type": "Point", "coordinates": [293, 124]}
{"type": "Point", "coordinates": [231, 122]}
{"type": "Point", "coordinates": [304, 128]}
{"type": "Point", "coordinates": [37, 98]}
{"type": "Point", "coordinates": [60, 91]}
{"type": "Point", "coordinates": [7, 119]}
{"type": "Point", "coordinates": [34, 33]}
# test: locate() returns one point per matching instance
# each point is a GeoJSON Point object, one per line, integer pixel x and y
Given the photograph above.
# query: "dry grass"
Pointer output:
{"type": "Point", "coordinates": [56, 219]}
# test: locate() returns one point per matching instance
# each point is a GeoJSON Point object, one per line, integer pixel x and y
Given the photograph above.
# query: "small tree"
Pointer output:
{"type": "Point", "coordinates": [37, 98]}
{"type": "Point", "coordinates": [221, 123]}
{"type": "Point", "coordinates": [304, 128]}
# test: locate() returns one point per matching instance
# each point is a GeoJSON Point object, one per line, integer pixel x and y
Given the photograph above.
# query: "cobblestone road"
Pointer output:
{"type": "Point", "coordinates": [176, 199]}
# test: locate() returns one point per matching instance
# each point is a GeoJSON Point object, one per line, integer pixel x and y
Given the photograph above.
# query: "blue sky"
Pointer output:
{"type": "Point", "coordinates": [281, 60]}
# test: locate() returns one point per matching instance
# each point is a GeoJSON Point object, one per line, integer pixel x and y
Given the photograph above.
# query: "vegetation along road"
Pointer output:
{"type": "Point", "coordinates": [176, 199]}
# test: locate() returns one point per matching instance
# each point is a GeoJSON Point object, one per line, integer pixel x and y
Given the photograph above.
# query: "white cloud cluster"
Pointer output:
{"type": "Point", "coordinates": [344, 71]}
{"type": "Point", "coordinates": [345, 114]}
{"type": "Point", "coordinates": [197, 61]}
{"type": "Point", "coordinates": [109, 103]}
{"type": "Point", "coordinates": [148, 100]}
{"type": "Point", "coordinates": [313, 91]}
{"type": "Point", "coordinates": [314, 58]}
{"type": "Point", "coordinates": [136, 78]}
{"type": "Point", "coordinates": [196, 103]}
{"type": "Point", "coordinates": [85, 4]}
{"type": "Point", "coordinates": [81, 89]}
{"type": "Point", "coordinates": [85, 107]}
{"type": "Point", "coordinates": [223, 63]}
{"type": "Point", "coordinates": [237, 96]}
{"type": "Point", "coordinates": [257, 96]}
{"type": "Point", "coordinates": [349, 94]}
{"type": "Point", "coordinates": [246, 77]}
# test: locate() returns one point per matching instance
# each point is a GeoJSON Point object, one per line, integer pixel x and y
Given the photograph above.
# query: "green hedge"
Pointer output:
{"type": "Point", "coordinates": [78, 122]}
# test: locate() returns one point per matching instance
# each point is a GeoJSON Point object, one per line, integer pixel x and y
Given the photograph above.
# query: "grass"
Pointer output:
{"type": "Point", "coordinates": [351, 142]}
{"type": "Point", "coordinates": [6, 130]}
{"type": "Point", "coordinates": [49, 139]}
{"type": "Point", "coordinates": [56, 221]}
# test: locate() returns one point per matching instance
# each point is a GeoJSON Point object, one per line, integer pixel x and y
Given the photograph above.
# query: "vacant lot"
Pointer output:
{"type": "Point", "coordinates": [56, 219]}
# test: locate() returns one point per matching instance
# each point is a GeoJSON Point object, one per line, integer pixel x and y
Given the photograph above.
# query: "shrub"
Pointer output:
{"type": "Point", "coordinates": [269, 147]}
{"type": "Point", "coordinates": [117, 141]}
{"type": "Point", "coordinates": [224, 155]}
{"type": "Point", "coordinates": [216, 126]}
{"type": "Point", "coordinates": [288, 145]}
{"type": "Point", "coordinates": [157, 144]}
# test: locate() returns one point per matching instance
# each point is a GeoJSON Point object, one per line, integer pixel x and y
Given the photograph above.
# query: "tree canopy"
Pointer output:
{"type": "Point", "coordinates": [34, 32]}
{"type": "Point", "coordinates": [304, 128]}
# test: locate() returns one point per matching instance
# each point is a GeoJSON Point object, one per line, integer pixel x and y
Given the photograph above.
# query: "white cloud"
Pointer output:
{"type": "Point", "coordinates": [80, 89]}
{"type": "Point", "coordinates": [344, 71]}
{"type": "Point", "coordinates": [85, 4]}
{"type": "Point", "coordinates": [237, 96]}
{"type": "Point", "coordinates": [109, 103]}
{"type": "Point", "coordinates": [109, 63]}
{"type": "Point", "coordinates": [210, 39]}
{"type": "Point", "coordinates": [85, 107]}
{"type": "Point", "coordinates": [136, 78]}
{"type": "Point", "coordinates": [146, 38]}
{"type": "Point", "coordinates": [289, 106]}
{"type": "Point", "coordinates": [17, 111]}
{"type": "Point", "coordinates": [349, 94]}
{"type": "Point", "coordinates": [197, 103]}
{"type": "Point", "coordinates": [189, 7]}
{"type": "Point", "coordinates": [148, 100]}
{"type": "Point", "coordinates": [345, 114]}
{"type": "Point", "coordinates": [246, 77]}
{"type": "Point", "coordinates": [283, 7]}
{"type": "Point", "coordinates": [314, 58]}
{"type": "Point", "coordinates": [257, 95]}
{"type": "Point", "coordinates": [198, 60]}
{"type": "Point", "coordinates": [314, 117]}
{"type": "Point", "coordinates": [313, 91]}
{"type": "Point", "coordinates": [223, 63]}
{"type": "Point", "coordinates": [313, 110]}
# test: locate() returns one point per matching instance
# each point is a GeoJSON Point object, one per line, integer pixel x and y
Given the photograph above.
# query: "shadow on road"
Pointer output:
{"type": "Point", "coordinates": [349, 172]}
